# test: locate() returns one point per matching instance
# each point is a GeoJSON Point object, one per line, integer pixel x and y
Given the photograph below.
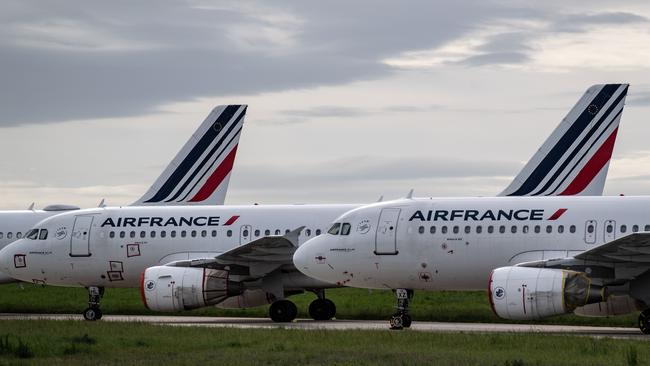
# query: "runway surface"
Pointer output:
{"type": "Point", "coordinates": [196, 321]}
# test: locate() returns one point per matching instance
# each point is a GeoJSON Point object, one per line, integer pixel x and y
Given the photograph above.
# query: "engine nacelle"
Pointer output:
{"type": "Point", "coordinates": [249, 299]}
{"type": "Point", "coordinates": [615, 305]}
{"type": "Point", "coordinates": [168, 288]}
{"type": "Point", "coordinates": [522, 293]}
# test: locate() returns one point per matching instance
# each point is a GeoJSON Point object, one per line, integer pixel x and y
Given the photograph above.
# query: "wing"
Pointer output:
{"type": "Point", "coordinates": [255, 259]}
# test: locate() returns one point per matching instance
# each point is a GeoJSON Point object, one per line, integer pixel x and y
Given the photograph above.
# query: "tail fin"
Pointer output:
{"type": "Point", "coordinates": [200, 172]}
{"type": "Point", "coordinates": [574, 160]}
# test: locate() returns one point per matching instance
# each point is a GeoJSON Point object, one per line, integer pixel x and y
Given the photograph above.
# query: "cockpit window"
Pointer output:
{"type": "Point", "coordinates": [43, 234]}
{"type": "Point", "coordinates": [32, 234]}
{"type": "Point", "coordinates": [334, 230]}
{"type": "Point", "coordinates": [345, 229]}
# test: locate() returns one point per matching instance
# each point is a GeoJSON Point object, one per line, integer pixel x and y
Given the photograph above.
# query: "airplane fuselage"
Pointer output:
{"type": "Point", "coordinates": [454, 243]}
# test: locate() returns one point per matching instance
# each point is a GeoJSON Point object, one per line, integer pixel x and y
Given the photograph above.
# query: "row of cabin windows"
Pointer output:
{"type": "Point", "coordinates": [525, 229]}
{"type": "Point", "coordinates": [10, 235]}
{"type": "Point", "coordinates": [196, 233]}
{"type": "Point", "coordinates": [501, 229]}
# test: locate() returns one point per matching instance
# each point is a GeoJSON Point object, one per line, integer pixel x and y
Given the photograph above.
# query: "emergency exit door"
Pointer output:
{"type": "Point", "coordinates": [386, 237]}
{"type": "Point", "coordinates": [245, 234]}
{"type": "Point", "coordinates": [80, 237]}
{"type": "Point", "coordinates": [590, 232]}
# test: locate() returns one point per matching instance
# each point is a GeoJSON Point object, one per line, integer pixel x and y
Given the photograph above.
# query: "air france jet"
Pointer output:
{"type": "Point", "coordinates": [184, 258]}
{"type": "Point", "coordinates": [198, 175]}
{"type": "Point", "coordinates": [542, 256]}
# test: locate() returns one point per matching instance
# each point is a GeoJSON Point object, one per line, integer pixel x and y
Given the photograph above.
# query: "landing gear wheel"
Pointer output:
{"type": "Point", "coordinates": [406, 320]}
{"type": "Point", "coordinates": [396, 322]}
{"type": "Point", "coordinates": [644, 321]}
{"type": "Point", "coordinates": [283, 311]}
{"type": "Point", "coordinates": [322, 309]}
{"type": "Point", "coordinates": [92, 314]}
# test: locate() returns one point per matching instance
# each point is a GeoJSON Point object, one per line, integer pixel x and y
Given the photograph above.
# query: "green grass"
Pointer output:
{"type": "Point", "coordinates": [107, 343]}
{"type": "Point", "coordinates": [350, 303]}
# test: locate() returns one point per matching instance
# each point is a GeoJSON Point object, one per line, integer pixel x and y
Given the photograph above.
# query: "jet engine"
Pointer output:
{"type": "Point", "coordinates": [522, 293]}
{"type": "Point", "coordinates": [168, 288]}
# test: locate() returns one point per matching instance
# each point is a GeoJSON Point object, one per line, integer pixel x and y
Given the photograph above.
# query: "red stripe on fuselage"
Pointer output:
{"type": "Point", "coordinates": [231, 220]}
{"type": "Point", "coordinates": [593, 167]}
{"type": "Point", "coordinates": [557, 214]}
{"type": "Point", "coordinates": [216, 178]}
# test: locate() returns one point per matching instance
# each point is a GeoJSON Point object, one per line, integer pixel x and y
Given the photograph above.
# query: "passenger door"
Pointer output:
{"type": "Point", "coordinates": [386, 236]}
{"type": "Point", "coordinates": [80, 238]}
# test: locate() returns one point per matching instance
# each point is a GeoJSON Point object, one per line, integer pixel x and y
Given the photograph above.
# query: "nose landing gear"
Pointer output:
{"type": "Point", "coordinates": [93, 312]}
{"type": "Point", "coordinates": [401, 319]}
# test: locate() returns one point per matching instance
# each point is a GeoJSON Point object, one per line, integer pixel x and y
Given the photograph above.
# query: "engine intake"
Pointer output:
{"type": "Point", "coordinates": [168, 288]}
{"type": "Point", "coordinates": [522, 293]}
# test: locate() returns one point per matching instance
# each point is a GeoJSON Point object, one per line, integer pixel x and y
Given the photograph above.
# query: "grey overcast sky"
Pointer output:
{"type": "Point", "coordinates": [348, 100]}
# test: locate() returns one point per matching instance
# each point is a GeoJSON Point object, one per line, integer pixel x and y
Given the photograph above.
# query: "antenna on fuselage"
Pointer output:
{"type": "Point", "coordinates": [31, 207]}
{"type": "Point", "coordinates": [381, 198]}
{"type": "Point", "coordinates": [410, 194]}
{"type": "Point", "coordinates": [102, 204]}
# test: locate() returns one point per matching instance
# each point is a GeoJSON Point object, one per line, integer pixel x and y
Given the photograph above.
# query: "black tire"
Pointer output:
{"type": "Point", "coordinates": [283, 311]}
{"type": "Point", "coordinates": [406, 320]}
{"type": "Point", "coordinates": [92, 314]}
{"type": "Point", "coordinates": [644, 321]}
{"type": "Point", "coordinates": [331, 307]}
{"type": "Point", "coordinates": [319, 310]}
{"type": "Point", "coordinates": [396, 322]}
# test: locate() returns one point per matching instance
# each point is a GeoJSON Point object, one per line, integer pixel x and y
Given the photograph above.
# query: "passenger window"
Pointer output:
{"type": "Point", "coordinates": [513, 229]}
{"type": "Point", "coordinates": [623, 228]}
{"type": "Point", "coordinates": [524, 229]}
{"type": "Point", "coordinates": [267, 232]}
{"type": "Point", "coordinates": [646, 228]}
{"type": "Point", "coordinates": [10, 235]}
{"type": "Point", "coordinates": [245, 232]}
{"type": "Point", "coordinates": [229, 233]}
{"type": "Point", "coordinates": [334, 230]}
{"type": "Point", "coordinates": [19, 235]}
{"type": "Point", "coordinates": [173, 233]}
{"type": "Point", "coordinates": [590, 228]}
{"type": "Point", "coordinates": [345, 229]}
{"type": "Point", "coordinates": [2, 235]}
{"type": "Point", "coordinates": [432, 229]}
{"type": "Point", "coordinates": [257, 232]}
{"type": "Point", "coordinates": [502, 229]}
{"type": "Point", "coordinates": [111, 234]}
{"type": "Point", "coordinates": [163, 234]}
{"type": "Point", "coordinates": [153, 234]}
{"type": "Point", "coordinates": [132, 234]}
{"type": "Point", "coordinates": [538, 229]}
{"type": "Point", "coordinates": [444, 230]}
{"type": "Point", "coordinates": [549, 229]}
{"type": "Point", "coordinates": [143, 234]}
{"type": "Point", "coordinates": [456, 229]}
{"type": "Point", "coordinates": [287, 231]}
{"type": "Point", "coordinates": [122, 234]}
{"type": "Point", "coordinates": [468, 229]}
{"type": "Point", "coordinates": [308, 232]}
{"type": "Point", "coordinates": [421, 230]}
{"type": "Point", "coordinates": [635, 228]}
{"type": "Point", "coordinates": [183, 233]}
{"type": "Point", "coordinates": [479, 229]}
{"type": "Point", "coordinates": [560, 229]}
{"type": "Point", "coordinates": [193, 233]}
{"type": "Point", "coordinates": [572, 229]}
{"type": "Point", "coordinates": [277, 231]}
{"type": "Point", "coordinates": [204, 233]}
{"type": "Point", "coordinates": [609, 228]}
{"type": "Point", "coordinates": [490, 229]}
{"type": "Point", "coordinates": [318, 232]}
{"type": "Point", "coordinates": [214, 233]}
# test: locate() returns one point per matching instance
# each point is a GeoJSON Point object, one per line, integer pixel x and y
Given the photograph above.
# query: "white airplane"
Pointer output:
{"type": "Point", "coordinates": [188, 257]}
{"type": "Point", "coordinates": [198, 175]}
{"type": "Point", "coordinates": [542, 256]}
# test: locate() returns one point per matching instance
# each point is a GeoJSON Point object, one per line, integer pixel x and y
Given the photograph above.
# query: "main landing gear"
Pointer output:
{"type": "Point", "coordinates": [93, 312]}
{"type": "Point", "coordinates": [285, 311]}
{"type": "Point", "coordinates": [322, 308]}
{"type": "Point", "coordinates": [401, 319]}
{"type": "Point", "coordinates": [644, 321]}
